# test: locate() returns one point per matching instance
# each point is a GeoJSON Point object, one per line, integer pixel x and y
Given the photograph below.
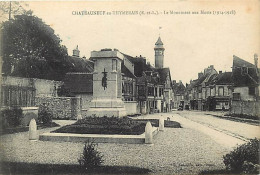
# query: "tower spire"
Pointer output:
{"type": "Point", "coordinates": [159, 53]}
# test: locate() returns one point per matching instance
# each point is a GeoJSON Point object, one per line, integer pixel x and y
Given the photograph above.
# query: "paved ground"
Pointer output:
{"type": "Point", "coordinates": [243, 131]}
{"type": "Point", "coordinates": [190, 149]}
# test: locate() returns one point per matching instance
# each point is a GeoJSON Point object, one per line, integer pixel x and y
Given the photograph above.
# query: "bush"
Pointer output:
{"type": "Point", "coordinates": [11, 117]}
{"type": "Point", "coordinates": [90, 158]}
{"type": "Point", "coordinates": [45, 116]}
{"type": "Point", "coordinates": [244, 158]}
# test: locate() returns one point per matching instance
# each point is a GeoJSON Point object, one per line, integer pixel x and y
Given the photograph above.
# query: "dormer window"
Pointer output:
{"type": "Point", "coordinates": [244, 70]}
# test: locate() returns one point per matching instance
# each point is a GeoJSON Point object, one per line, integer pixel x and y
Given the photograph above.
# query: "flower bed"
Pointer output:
{"type": "Point", "coordinates": [111, 125]}
{"type": "Point", "coordinates": [167, 123]}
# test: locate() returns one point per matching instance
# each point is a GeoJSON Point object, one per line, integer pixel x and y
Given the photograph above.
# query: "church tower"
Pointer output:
{"type": "Point", "coordinates": [159, 53]}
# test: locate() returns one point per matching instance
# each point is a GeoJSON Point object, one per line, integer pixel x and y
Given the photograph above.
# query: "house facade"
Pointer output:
{"type": "Point", "coordinates": [245, 95]}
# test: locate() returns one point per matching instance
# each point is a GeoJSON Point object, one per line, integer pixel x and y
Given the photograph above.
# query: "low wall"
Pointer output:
{"type": "Point", "coordinates": [98, 138]}
{"type": "Point", "coordinates": [245, 107]}
{"type": "Point", "coordinates": [130, 107]}
{"type": "Point", "coordinates": [61, 107]}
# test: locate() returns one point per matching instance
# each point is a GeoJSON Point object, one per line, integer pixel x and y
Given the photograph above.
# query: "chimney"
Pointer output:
{"type": "Point", "coordinates": [200, 74]}
{"type": "Point", "coordinates": [220, 72]}
{"type": "Point", "coordinates": [76, 52]}
{"type": "Point", "coordinates": [256, 60]}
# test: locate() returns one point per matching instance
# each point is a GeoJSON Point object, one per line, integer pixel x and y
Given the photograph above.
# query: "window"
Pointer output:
{"type": "Point", "coordinates": [244, 70]}
{"type": "Point", "coordinates": [114, 65]}
{"type": "Point", "coordinates": [236, 96]}
{"type": "Point", "coordinates": [123, 88]}
{"type": "Point", "coordinates": [221, 91]}
{"type": "Point", "coordinates": [251, 90]}
{"type": "Point", "coordinates": [130, 88]}
{"type": "Point", "coordinates": [150, 91]}
{"type": "Point", "coordinates": [156, 92]}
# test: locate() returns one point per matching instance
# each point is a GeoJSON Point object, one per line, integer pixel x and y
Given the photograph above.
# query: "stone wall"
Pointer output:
{"type": "Point", "coordinates": [61, 107]}
{"type": "Point", "coordinates": [244, 93]}
{"type": "Point", "coordinates": [130, 107]}
{"type": "Point", "coordinates": [21, 92]}
{"type": "Point", "coordinates": [46, 87]}
{"type": "Point", "coordinates": [245, 107]}
{"type": "Point", "coordinates": [85, 100]}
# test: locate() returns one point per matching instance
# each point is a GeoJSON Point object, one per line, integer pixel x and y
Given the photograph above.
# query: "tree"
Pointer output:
{"type": "Point", "coordinates": [32, 49]}
{"type": "Point", "coordinates": [12, 7]}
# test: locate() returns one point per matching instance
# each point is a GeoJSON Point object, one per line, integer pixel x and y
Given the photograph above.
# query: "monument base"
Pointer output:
{"type": "Point", "coordinates": [109, 112]}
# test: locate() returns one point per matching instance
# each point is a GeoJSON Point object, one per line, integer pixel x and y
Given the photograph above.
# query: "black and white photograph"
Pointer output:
{"type": "Point", "coordinates": [130, 87]}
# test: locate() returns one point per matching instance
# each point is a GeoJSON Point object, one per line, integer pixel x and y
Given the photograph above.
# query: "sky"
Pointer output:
{"type": "Point", "coordinates": [192, 42]}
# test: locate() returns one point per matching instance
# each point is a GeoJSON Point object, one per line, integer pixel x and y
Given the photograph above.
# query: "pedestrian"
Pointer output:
{"type": "Point", "coordinates": [223, 108]}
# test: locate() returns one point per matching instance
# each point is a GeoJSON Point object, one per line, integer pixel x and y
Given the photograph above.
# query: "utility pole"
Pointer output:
{"type": "Point", "coordinates": [10, 10]}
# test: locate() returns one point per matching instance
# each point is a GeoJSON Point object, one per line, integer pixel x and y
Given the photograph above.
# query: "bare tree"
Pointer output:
{"type": "Point", "coordinates": [7, 9]}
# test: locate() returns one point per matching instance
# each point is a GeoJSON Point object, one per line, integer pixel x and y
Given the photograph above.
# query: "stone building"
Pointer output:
{"type": "Point", "coordinates": [245, 96]}
{"type": "Point", "coordinates": [197, 88]}
{"type": "Point", "coordinates": [218, 92]}
{"type": "Point", "coordinates": [153, 84]}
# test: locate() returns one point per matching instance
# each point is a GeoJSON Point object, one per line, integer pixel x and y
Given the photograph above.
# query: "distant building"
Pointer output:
{"type": "Point", "coordinates": [197, 89]}
{"type": "Point", "coordinates": [218, 92]}
{"type": "Point", "coordinates": [179, 94]}
{"type": "Point", "coordinates": [153, 84]}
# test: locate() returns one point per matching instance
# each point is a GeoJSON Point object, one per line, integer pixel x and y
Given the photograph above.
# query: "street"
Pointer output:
{"type": "Point", "coordinates": [226, 132]}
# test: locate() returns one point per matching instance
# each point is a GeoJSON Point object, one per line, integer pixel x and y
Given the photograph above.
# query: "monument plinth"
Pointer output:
{"type": "Point", "coordinates": [107, 84]}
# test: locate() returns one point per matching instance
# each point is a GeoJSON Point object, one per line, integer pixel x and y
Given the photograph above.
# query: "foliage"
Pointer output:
{"type": "Point", "coordinates": [11, 117]}
{"type": "Point", "coordinates": [244, 116]}
{"type": "Point", "coordinates": [73, 169]}
{"type": "Point", "coordinates": [45, 116]}
{"type": "Point", "coordinates": [104, 125]}
{"type": "Point", "coordinates": [244, 158]}
{"type": "Point", "coordinates": [31, 49]}
{"type": "Point", "coordinates": [90, 158]}
{"type": "Point", "coordinates": [112, 125]}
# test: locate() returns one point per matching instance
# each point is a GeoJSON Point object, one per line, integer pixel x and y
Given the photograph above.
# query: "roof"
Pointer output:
{"type": "Point", "coordinates": [81, 64]}
{"type": "Point", "coordinates": [200, 80]}
{"type": "Point", "coordinates": [244, 73]}
{"type": "Point", "coordinates": [192, 84]}
{"type": "Point", "coordinates": [163, 73]}
{"type": "Point", "coordinates": [79, 82]}
{"type": "Point", "coordinates": [222, 79]}
{"type": "Point", "coordinates": [159, 41]}
{"type": "Point", "coordinates": [140, 65]}
{"type": "Point", "coordinates": [179, 88]}
{"type": "Point", "coordinates": [238, 62]}
{"type": "Point", "coordinates": [126, 72]}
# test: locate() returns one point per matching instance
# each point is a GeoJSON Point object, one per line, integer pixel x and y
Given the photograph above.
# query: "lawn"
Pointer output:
{"type": "Point", "coordinates": [112, 125]}
{"type": "Point", "coordinates": [12, 130]}
{"type": "Point", "coordinates": [35, 168]}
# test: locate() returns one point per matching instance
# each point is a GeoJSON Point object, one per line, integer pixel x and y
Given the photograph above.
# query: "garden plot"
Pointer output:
{"type": "Point", "coordinates": [105, 130]}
